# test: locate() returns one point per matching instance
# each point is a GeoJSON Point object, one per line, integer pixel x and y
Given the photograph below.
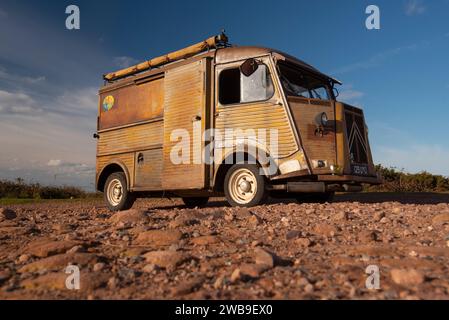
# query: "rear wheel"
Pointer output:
{"type": "Point", "coordinates": [244, 186]}
{"type": "Point", "coordinates": [315, 197]}
{"type": "Point", "coordinates": [191, 202]}
{"type": "Point", "coordinates": [116, 193]}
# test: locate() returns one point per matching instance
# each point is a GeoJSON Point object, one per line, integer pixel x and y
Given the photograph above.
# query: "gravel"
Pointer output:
{"type": "Point", "coordinates": [282, 250]}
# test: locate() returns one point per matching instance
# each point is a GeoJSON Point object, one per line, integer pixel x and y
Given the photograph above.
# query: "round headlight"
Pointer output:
{"type": "Point", "coordinates": [324, 119]}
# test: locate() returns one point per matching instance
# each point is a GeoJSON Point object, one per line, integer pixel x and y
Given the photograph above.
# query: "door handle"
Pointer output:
{"type": "Point", "coordinates": [196, 118]}
{"type": "Point", "coordinates": [140, 158]}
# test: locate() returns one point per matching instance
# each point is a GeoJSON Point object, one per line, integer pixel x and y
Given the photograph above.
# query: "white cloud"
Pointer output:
{"type": "Point", "coordinates": [9, 77]}
{"type": "Point", "coordinates": [17, 103]}
{"type": "Point", "coordinates": [124, 61]}
{"type": "Point", "coordinates": [54, 163]}
{"type": "Point", "coordinates": [414, 7]}
{"type": "Point", "coordinates": [81, 102]}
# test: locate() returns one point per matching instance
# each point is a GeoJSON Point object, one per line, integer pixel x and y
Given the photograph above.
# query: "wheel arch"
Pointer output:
{"type": "Point", "coordinates": [110, 168]}
{"type": "Point", "coordinates": [230, 159]}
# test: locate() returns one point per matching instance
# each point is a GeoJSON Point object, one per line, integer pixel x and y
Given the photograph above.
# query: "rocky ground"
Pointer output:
{"type": "Point", "coordinates": [283, 250]}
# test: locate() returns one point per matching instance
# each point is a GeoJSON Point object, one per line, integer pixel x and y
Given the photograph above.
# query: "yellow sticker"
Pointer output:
{"type": "Point", "coordinates": [108, 103]}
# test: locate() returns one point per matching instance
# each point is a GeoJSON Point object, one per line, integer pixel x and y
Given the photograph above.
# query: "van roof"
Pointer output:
{"type": "Point", "coordinates": [236, 53]}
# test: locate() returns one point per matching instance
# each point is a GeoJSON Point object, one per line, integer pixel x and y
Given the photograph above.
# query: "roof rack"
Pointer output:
{"type": "Point", "coordinates": [214, 42]}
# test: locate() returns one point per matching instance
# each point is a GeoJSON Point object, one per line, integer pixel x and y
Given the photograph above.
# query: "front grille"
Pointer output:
{"type": "Point", "coordinates": [356, 132]}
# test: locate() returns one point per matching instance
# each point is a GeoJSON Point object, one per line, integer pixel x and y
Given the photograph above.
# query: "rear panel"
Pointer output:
{"type": "Point", "coordinates": [130, 128]}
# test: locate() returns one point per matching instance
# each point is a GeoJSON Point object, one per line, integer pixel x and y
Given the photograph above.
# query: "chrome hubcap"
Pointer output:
{"type": "Point", "coordinates": [115, 192]}
{"type": "Point", "coordinates": [243, 186]}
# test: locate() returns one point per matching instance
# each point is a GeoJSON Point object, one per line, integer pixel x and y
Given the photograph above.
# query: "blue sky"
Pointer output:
{"type": "Point", "coordinates": [49, 75]}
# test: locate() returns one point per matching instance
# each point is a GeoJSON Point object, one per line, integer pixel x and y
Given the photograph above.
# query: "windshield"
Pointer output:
{"type": "Point", "coordinates": [301, 84]}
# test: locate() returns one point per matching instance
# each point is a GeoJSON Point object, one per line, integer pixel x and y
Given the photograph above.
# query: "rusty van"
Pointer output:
{"type": "Point", "coordinates": [321, 145]}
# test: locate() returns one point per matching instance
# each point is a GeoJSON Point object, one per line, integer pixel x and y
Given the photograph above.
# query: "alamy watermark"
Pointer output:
{"type": "Point", "coordinates": [72, 282]}
{"type": "Point", "coordinates": [373, 280]}
{"type": "Point", "coordinates": [73, 21]}
{"type": "Point", "coordinates": [372, 22]}
{"type": "Point", "coordinates": [261, 144]}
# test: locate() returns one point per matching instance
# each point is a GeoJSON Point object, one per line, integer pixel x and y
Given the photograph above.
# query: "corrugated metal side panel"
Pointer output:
{"type": "Point", "coordinates": [139, 137]}
{"type": "Point", "coordinates": [184, 99]}
{"type": "Point", "coordinates": [259, 116]}
{"type": "Point", "coordinates": [126, 159]}
{"type": "Point", "coordinates": [149, 170]}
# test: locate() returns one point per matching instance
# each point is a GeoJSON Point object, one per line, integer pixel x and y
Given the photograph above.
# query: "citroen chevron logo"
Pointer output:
{"type": "Point", "coordinates": [356, 134]}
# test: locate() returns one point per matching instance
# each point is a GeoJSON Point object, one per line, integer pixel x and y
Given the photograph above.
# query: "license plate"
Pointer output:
{"type": "Point", "coordinates": [360, 170]}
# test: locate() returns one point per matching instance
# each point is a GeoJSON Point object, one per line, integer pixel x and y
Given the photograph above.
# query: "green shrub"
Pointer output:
{"type": "Point", "coordinates": [399, 181]}
{"type": "Point", "coordinates": [21, 190]}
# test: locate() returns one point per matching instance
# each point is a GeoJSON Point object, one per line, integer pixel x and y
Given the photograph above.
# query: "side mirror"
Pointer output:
{"type": "Point", "coordinates": [249, 67]}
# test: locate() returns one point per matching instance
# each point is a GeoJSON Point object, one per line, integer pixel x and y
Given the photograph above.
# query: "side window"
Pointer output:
{"type": "Point", "coordinates": [235, 87]}
{"type": "Point", "coordinates": [229, 86]}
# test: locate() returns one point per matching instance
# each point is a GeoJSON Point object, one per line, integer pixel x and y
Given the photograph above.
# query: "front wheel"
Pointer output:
{"type": "Point", "coordinates": [116, 193]}
{"type": "Point", "coordinates": [244, 186]}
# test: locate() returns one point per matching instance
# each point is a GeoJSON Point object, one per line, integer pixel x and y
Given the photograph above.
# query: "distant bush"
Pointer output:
{"type": "Point", "coordinates": [399, 181]}
{"type": "Point", "coordinates": [21, 190]}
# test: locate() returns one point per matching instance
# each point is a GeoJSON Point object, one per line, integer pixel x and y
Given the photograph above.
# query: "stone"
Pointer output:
{"type": "Point", "coordinates": [303, 242]}
{"type": "Point", "coordinates": [159, 237]}
{"type": "Point", "coordinates": [113, 282]}
{"type": "Point", "coordinates": [7, 214]}
{"type": "Point", "coordinates": [441, 219]}
{"type": "Point", "coordinates": [308, 288]}
{"type": "Point", "coordinates": [165, 259]}
{"type": "Point", "coordinates": [57, 281]}
{"type": "Point", "coordinates": [368, 236]}
{"type": "Point", "coordinates": [229, 216]}
{"type": "Point", "coordinates": [264, 257]}
{"type": "Point", "coordinates": [378, 215]}
{"type": "Point", "coordinates": [47, 247]}
{"type": "Point", "coordinates": [188, 286]}
{"type": "Point", "coordinates": [326, 230]}
{"type": "Point", "coordinates": [407, 277]}
{"type": "Point", "coordinates": [23, 258]}
{"type": "Point", "coordinates": [76, 249]}
{"type": "Point", "coordinates": [293, 234]}
{"type": "Point", "coordinates": [342, 215]}
{"type": "Point", "coordinates": [396, 210]}
{"type": "Point", "coordinates": [243, 213]}
{"type": "Point", "coordinates": [219, 282]}
{"type": "Point", "coordinates": [205, 240]}
{"type": "Point", "coordinates": [129, 216]}
{"type": "Point", "coordinates": [148, 268]}
{"type": "Point", "coordinates": [252, 271]}
{"type": "Point", "coordinates": [254, 220]}
{"type": "Point", "coordinates": [235, 276]}
{"type": "Point", "coordinates": [99, 266]}
{"type": "Point", "coordinates": [269, 259]}
{"type": "Point", "coordinates": [4, 275]}
{"type": "Point", "coordinates": [384, 220]}
{"type": "Point", "coordinates": [59, 262]}
{"type": "Point", "coordinates": [62, 228]}
{"type": "Point", "coordinates": [182, 221]}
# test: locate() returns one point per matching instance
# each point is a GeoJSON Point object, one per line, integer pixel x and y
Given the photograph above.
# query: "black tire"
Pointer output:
{"type": "Point", "coordinates": [192, 202]}
{"type": "Point", "coordinates": [125, 200]}
{"type": "Point", "coordinates": [257, 183]}
{"type": "Point", "coordinates": [315, 197]}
